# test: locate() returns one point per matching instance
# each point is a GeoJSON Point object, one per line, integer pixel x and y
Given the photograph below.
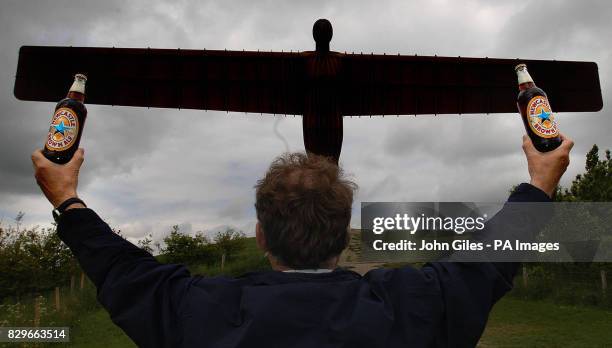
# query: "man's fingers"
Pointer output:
{"type": "Point", "coordinates": [38, 159]}
{"type": "Point", "coordinates": [36, 155]}
{"type": "Point", "coordinates": [528, 145]}
{"type": "Point", "coordinates": [567, 143]}
{"type": "Point", "coordinates": [77, 159]}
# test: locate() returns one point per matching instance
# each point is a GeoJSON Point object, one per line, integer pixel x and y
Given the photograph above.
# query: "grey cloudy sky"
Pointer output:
{"type": "Point", "coordinates": [146, 170]}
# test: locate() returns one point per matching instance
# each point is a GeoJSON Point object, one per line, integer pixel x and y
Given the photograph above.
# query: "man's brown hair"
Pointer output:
{"type": "Point", "coordinates": [303, 204]}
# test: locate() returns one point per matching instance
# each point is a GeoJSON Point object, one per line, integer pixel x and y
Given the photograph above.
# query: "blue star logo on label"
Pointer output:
{"type": "Point", "coordinates": [62, 128]}
{"type": "Point", "coordinates": [544, 115]}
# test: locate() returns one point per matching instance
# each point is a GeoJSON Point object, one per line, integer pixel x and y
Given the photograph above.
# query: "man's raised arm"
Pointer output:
{"type": "Point", "coordinates": [470, 289]}
{"type": "Point", "coordinates": [142, 296]}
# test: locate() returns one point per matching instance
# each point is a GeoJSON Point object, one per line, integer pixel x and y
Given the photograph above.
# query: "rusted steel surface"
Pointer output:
{"type": "Point", "coordinates": [321, 85]}
{"type": "Point", "coordinates": [279, 83]}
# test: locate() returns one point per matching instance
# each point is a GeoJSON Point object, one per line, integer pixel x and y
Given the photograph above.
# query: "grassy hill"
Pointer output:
{"type": "Point", "coordinates": [513, 322]}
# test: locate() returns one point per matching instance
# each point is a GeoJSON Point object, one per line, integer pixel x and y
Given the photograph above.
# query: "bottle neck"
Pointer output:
{"type": "Point", "coordinates": [524, 79]}
{"type": "Point", "coordinates": [526, 85]}
{"type": "Point", "coordinates": [76, 95]}
{"type": "Point", "coordinates": [77, 90]}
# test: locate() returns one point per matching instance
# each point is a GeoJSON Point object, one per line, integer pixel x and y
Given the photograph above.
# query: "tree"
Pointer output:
{"type": "Point", "coordinates": [595, 185]}
{"type": "Point", "coordinates": [145, 243]}
{"type": "Point", "coordinates": [19, 219]}
{"type": "Point", "coordinates": [32, 260]}
{"type": "Point", "coordinates": [183, 248]}
{"type": "Point", "coordinates": [229, 242]}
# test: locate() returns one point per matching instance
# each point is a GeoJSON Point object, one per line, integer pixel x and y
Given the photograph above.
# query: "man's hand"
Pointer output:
{"type": "Point", "coordinates": [546, 168]}
{"type": "Point", "coordinates": [57, 181]}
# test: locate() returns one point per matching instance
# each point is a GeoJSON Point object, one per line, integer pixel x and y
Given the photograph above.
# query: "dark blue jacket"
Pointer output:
{"type": "Point", "coordinates": [161, 305]}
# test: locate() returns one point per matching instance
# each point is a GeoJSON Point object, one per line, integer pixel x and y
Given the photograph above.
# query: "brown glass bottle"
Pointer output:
{"type": "Point", "coordinates": [536, 113]}
{"type": "Point", "coordinates": [67, 123]}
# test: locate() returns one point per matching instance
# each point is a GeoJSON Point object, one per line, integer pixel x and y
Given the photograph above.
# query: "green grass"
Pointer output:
{"type": "Point", "coordinates": [520, 323]}
{"type": "Point", "coordinates": [249, 259]}
{"type": "Point", "coordinates": [513, 323]}
{"type": "Point", "coordinates": [95, 329]}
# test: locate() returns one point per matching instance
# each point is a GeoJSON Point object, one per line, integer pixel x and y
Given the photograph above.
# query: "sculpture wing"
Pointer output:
{"type": "Point", "coordinates": [411, 85]}
{"type": "Point", "coordinates": [261, 82]}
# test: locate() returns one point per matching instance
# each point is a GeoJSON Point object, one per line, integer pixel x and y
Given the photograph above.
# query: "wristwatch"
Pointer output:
{"type": "Point", "coordinates": [57, 212]}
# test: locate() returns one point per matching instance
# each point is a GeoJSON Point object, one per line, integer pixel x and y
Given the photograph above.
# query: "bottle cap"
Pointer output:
{"type": "Point", "coordinates": [80, 77]}
{"type": "Point", "coordinates": [79, 83]}
{"type": "Point", "coordinates": [520, 67]}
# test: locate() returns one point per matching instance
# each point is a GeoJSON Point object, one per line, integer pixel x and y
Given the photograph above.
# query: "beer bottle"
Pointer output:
{"type": "Point", "coordinates": [537, 115]}
{"type": "Point", "coordinates": [67, 123]}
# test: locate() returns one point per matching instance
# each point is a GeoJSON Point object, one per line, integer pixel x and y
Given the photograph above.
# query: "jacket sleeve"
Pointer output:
{"type": "Point", "coordinates": [142, 295]}
{"type": "Point", "coordinates": [470, 289]}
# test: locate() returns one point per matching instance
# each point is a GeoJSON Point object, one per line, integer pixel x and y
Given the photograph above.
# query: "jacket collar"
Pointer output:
{"type": "Point", "coordinates": [279, 277]}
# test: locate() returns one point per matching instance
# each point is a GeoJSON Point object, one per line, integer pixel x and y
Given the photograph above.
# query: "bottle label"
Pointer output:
{"type": "Point", "coordinates": [541, 119]}
{"type": "Point", "coordinates": [63, 131]}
